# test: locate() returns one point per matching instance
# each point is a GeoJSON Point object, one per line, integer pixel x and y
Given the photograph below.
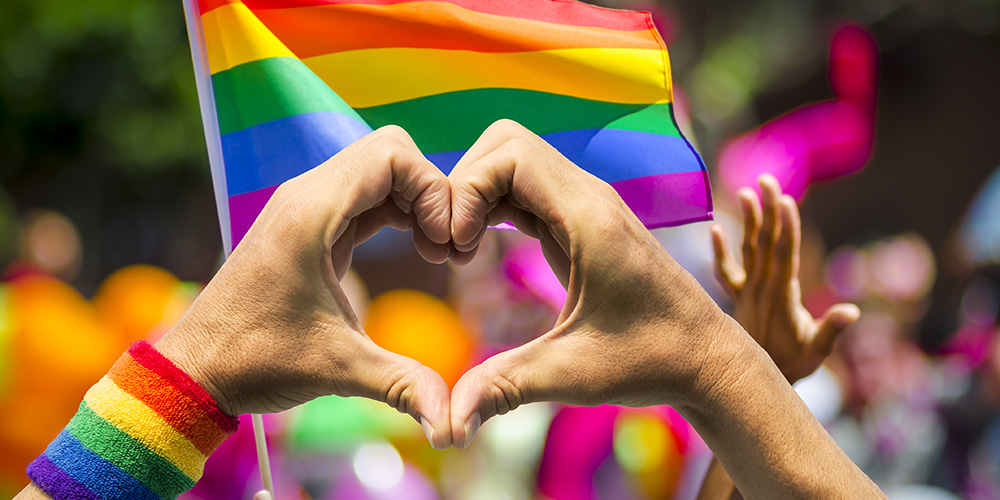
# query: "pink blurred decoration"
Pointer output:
{"type": "Point", "coordinates": [971, 344]}
{"type": "Point", "coordinates": [818, 141]}
{"type": "Point", "coordinates": [579, 440]}
{"type": "Point", "coordinates": [528, 271]}
{"type": "Point", "coordinates": [231, 472]}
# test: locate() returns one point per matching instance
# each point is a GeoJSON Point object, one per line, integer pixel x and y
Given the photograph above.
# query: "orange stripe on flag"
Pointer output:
{"type": "Point", "coordinates": [313, 31]}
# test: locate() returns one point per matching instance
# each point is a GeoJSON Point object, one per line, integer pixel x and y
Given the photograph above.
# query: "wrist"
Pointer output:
{"type": "Point", "coordinates": [180, 346]}
{"type": "Point", "coordinates": [763, 434]}
{"type": "Point", "coordinates": [143, 431]}
{"type": "Point", "coordinates": [732, 362]}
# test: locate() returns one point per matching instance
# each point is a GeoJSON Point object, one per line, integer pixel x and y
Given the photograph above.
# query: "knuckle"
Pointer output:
{"type": "Point", "coordinates": [394, 131]}
{"type": "Point", "coordinates": [518, 145]}
{"type": "Point", "coordinates": [506, 125]}
{"type": "Point", "coordinates": [608, 192]}
{"type": "Point", "coordinates": [284, 191]}
{"type": "Point", "coordinates": [385, 144]}
{"type": "Point", "coordinates": [398, 388]}
{"type": "Point", "coordinates": [504, 393]}
{"type": "Point", "coordinates": [289, 212]}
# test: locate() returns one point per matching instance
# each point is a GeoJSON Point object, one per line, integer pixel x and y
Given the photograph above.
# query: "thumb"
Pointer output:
{"type": "Point", "coordinates": [498, 385]}
{"type": "Point", "coordinates": [411, 388]}
{"type": "Point", "coordinates": [835, 321]}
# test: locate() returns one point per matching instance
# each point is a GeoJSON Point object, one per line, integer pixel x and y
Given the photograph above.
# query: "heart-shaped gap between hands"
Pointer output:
{"type": "Point", "coordinates": [267, 335]}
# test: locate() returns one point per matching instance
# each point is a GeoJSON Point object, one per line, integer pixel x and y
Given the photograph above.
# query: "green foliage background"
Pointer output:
{"type": "Point", "coordinates": [99, 120]}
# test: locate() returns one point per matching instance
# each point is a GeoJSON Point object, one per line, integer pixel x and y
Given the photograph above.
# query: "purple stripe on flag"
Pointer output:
{"type": "Point", "coordinates": [658, 200]}
{"type": "Point", "coordinates": [243, 210]}
{"type": "Point", "coordinates": [668, 199]}
{"type": "Point", "coordinates": [56, 482]}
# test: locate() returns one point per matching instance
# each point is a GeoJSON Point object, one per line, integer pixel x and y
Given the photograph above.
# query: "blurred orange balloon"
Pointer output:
{"type": "Point", "coordinates": [58, 344]}
{"type": "Point", "coordinates": [59, 347]}
{"type": "Point", "coordinates": [142, 301]}
{"type": "Point", "coordinates": [421, 326]}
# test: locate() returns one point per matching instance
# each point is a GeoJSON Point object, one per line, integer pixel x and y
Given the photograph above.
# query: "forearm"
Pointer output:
{"type": "Point", "coordinates": [765, 437]}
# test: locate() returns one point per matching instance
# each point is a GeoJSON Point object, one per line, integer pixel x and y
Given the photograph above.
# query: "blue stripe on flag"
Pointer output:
{"type": "Point", "coordinates": [270, 153]}
{"type": "Point", "coordinates": [273, 152]}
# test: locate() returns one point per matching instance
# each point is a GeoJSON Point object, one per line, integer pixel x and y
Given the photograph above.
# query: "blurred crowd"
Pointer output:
{"type": "Point", "coordinates": [107, 234]}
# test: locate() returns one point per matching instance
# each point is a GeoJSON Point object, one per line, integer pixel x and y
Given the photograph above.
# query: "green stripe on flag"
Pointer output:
{"type": "Point", "coordinates": [453, 121]}
{"type": "Point", "coordinates": [271, 89]}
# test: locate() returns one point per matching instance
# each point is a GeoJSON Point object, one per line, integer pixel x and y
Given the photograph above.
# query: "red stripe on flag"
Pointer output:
{"type": "Point", "coordinates": [567, 12]}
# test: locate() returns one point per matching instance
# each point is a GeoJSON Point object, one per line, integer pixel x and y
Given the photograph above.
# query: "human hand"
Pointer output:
{"type": "Point", "coordinates": [636, 329]}
{"type": "Point", "coordinates": [274, 329]}
{"type": "Point", "coordinates": [766, 290]}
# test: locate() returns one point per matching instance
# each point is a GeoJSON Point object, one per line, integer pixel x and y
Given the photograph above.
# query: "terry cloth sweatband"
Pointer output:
{"type": "Point", "coordinates": [143, 431]}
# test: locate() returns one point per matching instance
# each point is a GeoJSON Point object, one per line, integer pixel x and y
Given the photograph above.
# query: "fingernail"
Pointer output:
{"type": "Point", "coordinates": [428, 431]}
{"type": "Point", "coordinates": [472, 427]}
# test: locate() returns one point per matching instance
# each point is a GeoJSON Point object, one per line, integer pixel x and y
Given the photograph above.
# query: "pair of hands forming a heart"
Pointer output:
{"type": "Point", "coordinates": [273, 329]}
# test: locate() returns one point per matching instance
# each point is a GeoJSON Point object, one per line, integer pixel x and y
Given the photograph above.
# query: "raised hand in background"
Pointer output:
{"type": "Point", "coordinates": [768, 297]}
{"type": "Point", "coordinates": [766, 290]}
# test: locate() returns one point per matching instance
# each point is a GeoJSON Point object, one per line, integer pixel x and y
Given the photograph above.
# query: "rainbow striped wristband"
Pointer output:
{"type": "Point", "coordinates": [143, 431]}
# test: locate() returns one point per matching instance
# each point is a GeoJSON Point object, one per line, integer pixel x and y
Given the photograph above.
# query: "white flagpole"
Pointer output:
{"type": "Point", "coordinates": [209, 118]}
{"type": "Point", "coordinates": [213, 139]}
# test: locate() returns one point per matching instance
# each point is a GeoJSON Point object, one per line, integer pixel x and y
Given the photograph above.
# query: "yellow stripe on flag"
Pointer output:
{"type": "Point", "coordinates": [234, 36]}
{"type": "Point", "coordinates": [373, 77]}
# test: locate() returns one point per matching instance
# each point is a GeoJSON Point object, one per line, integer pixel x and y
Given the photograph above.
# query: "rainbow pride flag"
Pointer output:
{"type": "Point", "coordinates": [285, 84]}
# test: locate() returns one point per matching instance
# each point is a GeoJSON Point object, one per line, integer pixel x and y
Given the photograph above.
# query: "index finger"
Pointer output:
{"type": "Point", "coordinates": [383, 167]}
{"type": "Point", "coordinates": [509, 160]}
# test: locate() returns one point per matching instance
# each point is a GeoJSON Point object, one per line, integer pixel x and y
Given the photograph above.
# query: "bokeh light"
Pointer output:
{"type": "Point", "coordinates": [378, 466]}
{"type": "Point", "coordinates": [51, 243]}
{"type": "Point", "coordinates": [420, 326]}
